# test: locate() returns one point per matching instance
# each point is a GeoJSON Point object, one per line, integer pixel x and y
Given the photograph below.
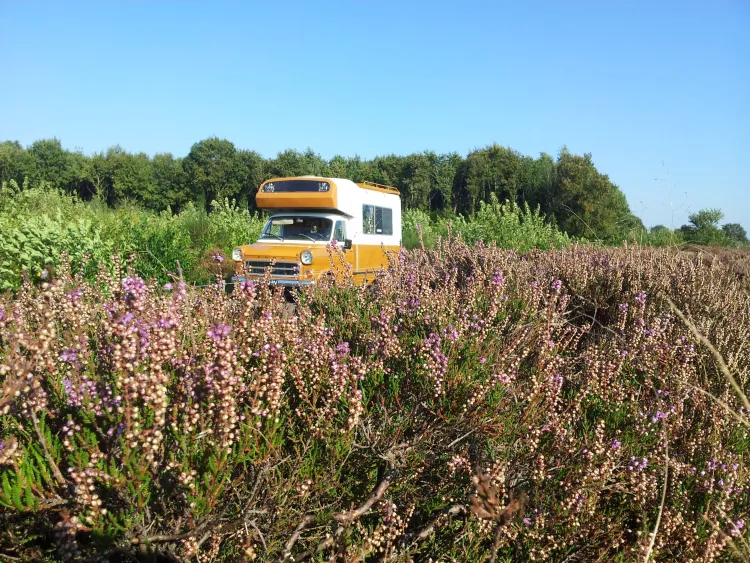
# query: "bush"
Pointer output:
{"type": "Point", "coordinates": [471, 403]}
{"type": "Point", "coordinates": [510, 226]}
{"type": "Point", "coordinates": [505, 224]}
{"type": "Point", "coordinates": [38, 224]}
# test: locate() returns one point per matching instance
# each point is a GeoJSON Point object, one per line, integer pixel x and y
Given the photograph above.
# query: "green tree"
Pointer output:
{"type": "Point", "coordinates": [293, 163]}
{"type": "Point", "coordinates": [15, 162]}
{"type": "Point", "coordinates": [444, 168]}
{"type": "Point", "coordinates": [251, 169]}
{"type": "Point", "coordinates": [345, 167]}
{"type": "Point", "coordinates": [586, 203]}
{"type": "Point", "coordinates": [416, 181]}
{"type": "Point", "coordinates": [735, 232]}
{"type": "Point", "coordinates": [212, 170]}
{"type": "Point", "coordinates": [492, 170]}
{"type": "Point", "coordinates": [703, 227]}
{"type": "Point", "coordinates": [171, 182]}
{"type": "Point", "coordinates": [49, 163]}
{"type": "Point", "coordinates": [133, 179]}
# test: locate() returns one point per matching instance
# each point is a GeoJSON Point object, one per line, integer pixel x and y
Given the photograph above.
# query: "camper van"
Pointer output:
{"type": "Point", "coordinates": [309, 215]}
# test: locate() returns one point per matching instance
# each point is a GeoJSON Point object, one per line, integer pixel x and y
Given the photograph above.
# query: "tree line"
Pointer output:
{"type": "Point", "coordinates": [568, 188]}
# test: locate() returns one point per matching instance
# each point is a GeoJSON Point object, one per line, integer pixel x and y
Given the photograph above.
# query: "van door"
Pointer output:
{"type": "Point", "coordinates": [340, 235]}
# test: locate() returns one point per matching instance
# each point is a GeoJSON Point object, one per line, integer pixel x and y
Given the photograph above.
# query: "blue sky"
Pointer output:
{"type": "Point", "coordinates": [658, 92]}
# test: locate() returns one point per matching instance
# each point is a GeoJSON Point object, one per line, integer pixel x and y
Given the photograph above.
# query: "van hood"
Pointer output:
{"type": "Point", "coordinates": [279, 251]}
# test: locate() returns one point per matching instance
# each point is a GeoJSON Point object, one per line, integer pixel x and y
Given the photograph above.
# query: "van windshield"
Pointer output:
{"type": "Point", "coordinates": [297, 227]}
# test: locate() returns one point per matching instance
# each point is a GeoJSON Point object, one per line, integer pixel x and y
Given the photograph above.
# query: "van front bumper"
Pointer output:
{"type": "Point", "coordinates": [272, 281]}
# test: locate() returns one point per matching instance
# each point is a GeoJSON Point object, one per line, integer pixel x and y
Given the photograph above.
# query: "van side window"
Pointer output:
{"type": "Point", "coordinates": [377, 220]}
{"type": "Point", "coordinates": [339, 232]}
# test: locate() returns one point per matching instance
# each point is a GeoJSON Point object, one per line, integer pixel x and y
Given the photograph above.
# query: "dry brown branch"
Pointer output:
{"type": "Point", "coordinates": [306, 521]}
{"type": "Point", "coordinates": [719, 358]}
{"type": "Point", "coordinates": [427, 531]}
{"type": "Point", "coordinates": [486, 505]}
{"type": "Point", "coordinates": [377, 494]}
{"type": "Point", "coordinates": [341, 520]}
{"type": "Point", "coordinates": [42, 440]}
{"type": "Point", "coordinates": [663, 498]}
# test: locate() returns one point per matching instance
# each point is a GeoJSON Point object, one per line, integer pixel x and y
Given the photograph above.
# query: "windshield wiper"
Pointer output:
{"type": "Point", "coordinates": [271, 235]}
{"type": "Point", "coordinates": [304, 235]}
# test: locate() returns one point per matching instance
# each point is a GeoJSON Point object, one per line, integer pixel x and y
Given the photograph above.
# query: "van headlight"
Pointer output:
{"type": "Point", "coordinates": [306, 257]}
{"type": "Point", "coordinates": [237, 255]}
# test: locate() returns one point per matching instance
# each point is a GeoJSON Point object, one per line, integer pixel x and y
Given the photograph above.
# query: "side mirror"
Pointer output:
{"type": "Point", "coordinates": [347, 244]}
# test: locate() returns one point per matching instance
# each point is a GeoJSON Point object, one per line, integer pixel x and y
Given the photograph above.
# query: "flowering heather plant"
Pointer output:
{"type": "Point", "coordinates": [473, 403]}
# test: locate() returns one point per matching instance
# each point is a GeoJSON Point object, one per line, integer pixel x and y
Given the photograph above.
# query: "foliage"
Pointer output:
{"type": "Point", "coordinates": [510, 226]}
{"type": "Point", "coordinates": [658, 235]}
{"type": "Point", "coordinates": [473, 402]}
{"type": "Point", "coordinates": [582, 201]}
{"type": "Point", "coordinates": [38, 224]}
{"type": "Point", "coordinates": [505, 224]}
{"type": "Point", "coordinates": [703, 227]}
{"type": "Point", "coordinates": [735, 232]}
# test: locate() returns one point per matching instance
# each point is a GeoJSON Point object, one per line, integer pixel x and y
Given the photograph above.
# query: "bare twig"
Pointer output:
{"type": "Point", "coordinates": [322, 546]}
{"type": "Point", "coordinates": [496, 543]}
{"type": "Point", "coordinates": [663, 497]}
{"type": "Point", "coordinates": [306, 521]}
{"type": "Point", "coordinates": [260, 534]}
{"type": "Point", "coordinates": [730, 542]}
{"type": "Point", "coordinates": [741, 419]}
{"type": "Point", "coordinates": [189, 312]}
{"type": "Point", "coordinates": [427, 531]}
{"type": "Point", "coordinates": [43, 441]}
{"type": "Point", "coordinates": [457, 440]}
{"type": "Point", "coordinates": [377, 494]}
{"type": "Point", "coordinates": [341, 520]}
{"type": "Point", "coordinates": [715, 352]}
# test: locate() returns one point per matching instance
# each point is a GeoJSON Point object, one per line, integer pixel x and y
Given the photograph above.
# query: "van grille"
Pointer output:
{"type": "Point", "coordinates": [258, 267]}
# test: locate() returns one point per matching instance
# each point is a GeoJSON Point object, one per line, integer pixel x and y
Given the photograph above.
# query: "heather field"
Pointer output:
{"type": "Point", "coordinates": [475, 404]}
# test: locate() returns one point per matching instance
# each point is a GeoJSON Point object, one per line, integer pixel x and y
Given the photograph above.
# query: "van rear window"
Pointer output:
{"type": "Point", "coordinates": [286, 186]}
{"type": "Point", "coordinates": [377, 220]}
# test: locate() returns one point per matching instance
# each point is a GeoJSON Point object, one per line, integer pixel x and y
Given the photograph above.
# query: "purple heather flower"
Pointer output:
{"type": "Point", "coordinates": [134, 288]}
{"type": "Point", "coordinates": [658, 416]}
{"type": "Point", "coordinates": [527, 522]}
{"type": "Point", "coordinates": [2, 315]}
{"type": "Point", "coordinates": [624, 307]}
{"type": "Point", "coordinates": [736, 527]}
{"type": "Point", "coordinates": [556, 285]}
{"type": "Point", "coordinates": [218, 258]}
{"type": "Point", "coordinates": [44, 274]}
{"type": "Point", "coordinates": [640, 298]}
{"type": "Point", "coordinates": [68, 356]}
{"type": "Point", "coordinates": [497, 278]}
{"type": "Point", "coordinates": [218, 332]}
{"type": "Point", "coordinates": [167, 287]}
{"type": "Point", "coordinates": [482, 360]}
{"type": "Point", "coordinates": [637, 464]}
{"type": "Point", "coordinates": [75, 295]}
{"type": "Point", "coordinates": [616, 444]}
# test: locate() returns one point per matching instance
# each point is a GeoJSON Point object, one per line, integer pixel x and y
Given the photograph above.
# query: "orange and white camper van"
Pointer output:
{"type": "Point", "coordinates": [309, 214]}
